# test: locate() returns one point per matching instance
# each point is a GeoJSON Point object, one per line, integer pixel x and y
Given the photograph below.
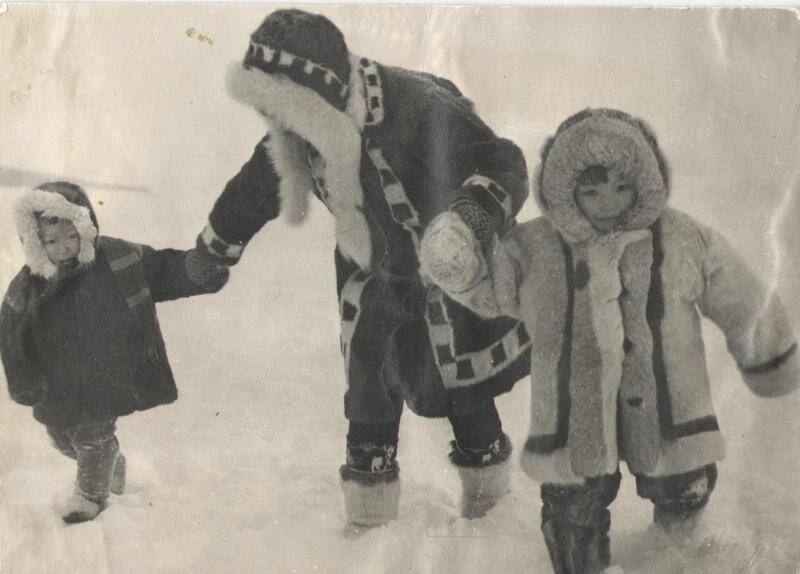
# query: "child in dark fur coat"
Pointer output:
{"type": "Point", "coordinates": [79, 336]}
{"type": "Point", "coordinates": [610, 282]}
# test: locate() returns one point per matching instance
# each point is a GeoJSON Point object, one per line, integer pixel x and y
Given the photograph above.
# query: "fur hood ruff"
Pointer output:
{"type": "Point", "coordinates": [296, 115]}
{"type": "Point", "coordinates": [52, 204]}
{"type": "Point", "coordinates": [609, 138]}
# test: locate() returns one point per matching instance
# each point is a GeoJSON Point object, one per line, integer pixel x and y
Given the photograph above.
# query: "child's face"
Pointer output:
{"type": "Point", "coordinates": [61, 242]}
{"type": "Point", "coordinates": [606, 204]}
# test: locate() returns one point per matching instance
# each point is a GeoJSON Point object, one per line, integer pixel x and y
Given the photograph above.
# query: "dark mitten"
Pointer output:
{"type": "Point", "coordinates": [205, 270]}
{"type": "Point", "coordinates": [477, 219]}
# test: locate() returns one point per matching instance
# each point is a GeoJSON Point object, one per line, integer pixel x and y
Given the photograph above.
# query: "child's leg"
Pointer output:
{"type": "Point", "coordinates": [480, 451]}
{"type": "Point", "coordinates": [96, 448]}
{"type": "Point", "coordinates": [678, 499]}
{"type": "Point", "coordinates": [61, 439]}
{"type": "Point", "coordinates": [576, 522]}
{"type": "Point", "coordinates": [370, 477]}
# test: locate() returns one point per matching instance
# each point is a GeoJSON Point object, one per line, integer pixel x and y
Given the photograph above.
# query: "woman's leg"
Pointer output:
{"type": "Point", "coordinates": [480, 452]}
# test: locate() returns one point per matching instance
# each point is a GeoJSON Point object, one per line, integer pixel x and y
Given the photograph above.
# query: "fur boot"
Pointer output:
{"type": "Point", "coordinates": [576, 523]}
{"type": "Point", "coordinates": [370, 498]}
{"type": "Point", "coordinates": [483, 487]}
{"type": "Point", "coordinates": [577, 549]}
{"type": "Point", "coordinates": [484, 474]}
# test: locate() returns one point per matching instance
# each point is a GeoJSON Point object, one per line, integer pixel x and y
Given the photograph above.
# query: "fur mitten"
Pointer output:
{"type": "Point", "coordinates": [479, 221]}
{"type": "Point", "coordinates": [451, 255]}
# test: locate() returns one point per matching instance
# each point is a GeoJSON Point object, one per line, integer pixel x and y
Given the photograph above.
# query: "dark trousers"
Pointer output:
{"type": "Point", "coordinates": [372, 447]}
{"type": "Point", "coordinates": [94, 446]}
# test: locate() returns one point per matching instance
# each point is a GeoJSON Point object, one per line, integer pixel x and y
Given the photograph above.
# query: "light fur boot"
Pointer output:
{"type": "Point", "coordinates": [370, 498]}
{"type": "Point", "coordinates": [686, 532]}
{"type": "Point", "coordinates": [483, 487]}
{"type": "Point", "coordinates": [484, 474]}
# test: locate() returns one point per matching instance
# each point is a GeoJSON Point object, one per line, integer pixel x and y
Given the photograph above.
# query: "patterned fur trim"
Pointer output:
{"type": "Point", "coordinates": [51, 204]}
{"type": "Point", "coordinates": [336, 135]}
{"type": "Point", "coordinates": [325, 82]}
{"type": "Point", "coordinates": [497, 453]}
{"type": "Point", "coordinates": [600, 137]}
{"type": "Point", "coordinates": [369, 478]}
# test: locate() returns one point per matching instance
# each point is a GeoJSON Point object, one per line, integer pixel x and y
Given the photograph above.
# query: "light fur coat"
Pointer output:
{"type": "Point", "coordinates": [618, 365]}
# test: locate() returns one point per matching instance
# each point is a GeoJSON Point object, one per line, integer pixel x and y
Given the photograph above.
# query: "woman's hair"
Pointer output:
{"type": "Point", "coordinates": [593, 175]}
{"type": "Point", "coordinates": [43, 220]}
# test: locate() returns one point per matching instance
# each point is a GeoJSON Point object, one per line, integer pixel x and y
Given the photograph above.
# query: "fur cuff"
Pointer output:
{"type": "Point", "coordinates": [367, 478]}
{"type": "Point", "coordinates": [496, 453]}
{"type": "Point", "coordinates": [216, 249]}
{"type": "Point", "coordinates": [774, 378]}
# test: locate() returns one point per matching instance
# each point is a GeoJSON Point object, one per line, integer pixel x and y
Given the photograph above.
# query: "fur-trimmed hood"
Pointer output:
{"type": "Point", "coordinates": [297, 115]}
{"type": "Point", "coordinates": [609, 138]}
{"type": "Point", "coordinates": [65, 201]}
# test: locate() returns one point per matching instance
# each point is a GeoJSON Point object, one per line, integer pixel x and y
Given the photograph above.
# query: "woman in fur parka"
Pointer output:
{"type": "Point", "coordinates": [79, 336]}
{"type": "Point", "coordinates": [386, 150]}
{"type": "Point", "coordinates": [611, 284]}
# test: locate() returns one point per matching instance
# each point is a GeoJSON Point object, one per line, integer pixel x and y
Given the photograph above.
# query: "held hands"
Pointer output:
{"type": "Point", "coordinates": [451, 255]}
{"type": "Point", "coordinates": [205, 270]}
{"type": "Point", "coordinates": [460, 253]}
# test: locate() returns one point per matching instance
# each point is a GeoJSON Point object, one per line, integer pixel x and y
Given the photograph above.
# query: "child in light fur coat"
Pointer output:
{"type": "Point", "coordinates": [610, 283]}
{"type": "Point", "coordinates": [79, 336]}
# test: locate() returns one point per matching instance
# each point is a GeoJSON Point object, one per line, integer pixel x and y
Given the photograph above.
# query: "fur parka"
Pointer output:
{"type": "Point", "coordinates": [403, 148]}
{"type": "Point", "coordinates": [87, 340]}
{"type": "Point", "coordinates": [618, 364]}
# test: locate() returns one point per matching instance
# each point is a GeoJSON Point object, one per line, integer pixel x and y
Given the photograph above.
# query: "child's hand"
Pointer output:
{"type": "Point", "coordinates": [205, 271]}
{"type": "Point", "coordinates": [450, 254]}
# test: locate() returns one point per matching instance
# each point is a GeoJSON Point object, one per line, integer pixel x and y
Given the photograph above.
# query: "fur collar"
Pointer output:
{"type": "Point", "coordinates": [51, 204]}
{"type": "Point", "coordinates": [600, 137]}
{"type": "Point", "coordinates": [296, 115]}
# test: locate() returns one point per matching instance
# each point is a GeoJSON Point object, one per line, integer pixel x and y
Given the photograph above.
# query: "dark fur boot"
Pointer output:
{"type": "Point", "coordinates": [576, 522]}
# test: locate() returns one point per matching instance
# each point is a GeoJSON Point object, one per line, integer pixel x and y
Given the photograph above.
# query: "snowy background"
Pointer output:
{"type": "Point", "coordinates": [240, 475]}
